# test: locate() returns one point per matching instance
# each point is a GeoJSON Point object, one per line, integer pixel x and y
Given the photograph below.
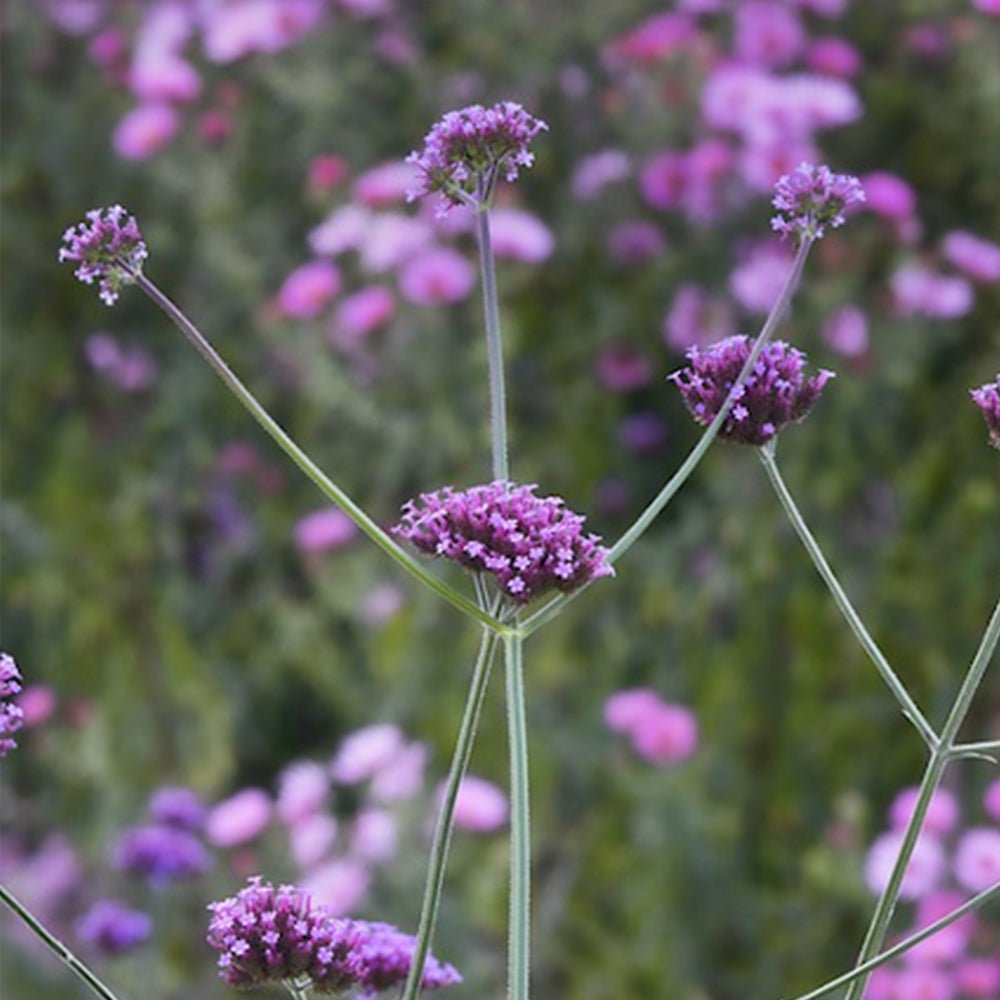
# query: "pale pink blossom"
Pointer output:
{"type": "Point", "coordinates": [923, 874]}
{"type": "Point", "coordinates": [325, 171]}
{"type": "Point", "coordinates": [846, 332]}
{"type": "Point", "coordinates": [882, 984]}
{"type": "Point", "coordinates": [925, 982]}
{"type": "Point", "coordinates": [834, 57]}
{"type": "Point", "coordinates": [599, 170]}
{"type": "Point", "coordinates": [363, 312]}
{"type": "Point", "coordinates": [37, 703]}
{"type": "Point", "coordinates": [402, 777]}
{"type": "Point", "coordinates": [307, 290]}
{"type": "Point", "coordinates": [767, 33]}
{"type": "Point", "coordinates": [976, 257]}
{"type": "Point", "coordinates": [625, 709]}
{"type": "Point", "coordinates": [889, 195]}
{"type": "Point", "coordinates": [695, 318]}
{"type": "Point", "coordinates": [163, 76]}
{"type": "Point", "coordinates": [919, 291]}
{"type": "Point", "coordinates": [949, 943]}
{"type": "Point", "coordinates": [666, 735]}
{"type": "Point", "coordinates": [390, 239]}
{"type": "Point", "coordinates": [311, 839]}
{"type": "Point", "coordinates": [375, 835]}
{"type": "Point", "coordinates": [302, 791]}
{"type": "Point", "coordinates": [237, 28]}
{"type": "Point", "coordinates": [481, 807]}
{"type": "Point", "coordinates": [763, 164]}
{"type": "Point", "coordinates": [380, 604]}
{"type": "Point", "coordinates": [324, 530]}
{"type": "Point", "coordinates": [979, 977]}
{"type": "Point", "coordinates": [343, 229]}
{"type": "Point", "coordinates": [977, 858]}
{"type": "Point", "coordinates": [520, 235]}
{"type": "Point", "coordinates": [385, 184]}
{"type": "Point", "coordinates": [757, 281]}
{"type": "Point", "coordinates": [987, 6]}
{"type": "Point", "coordinates": [437, 277]}
{"type": "Point", "coordinates": [365, 752]}
{"type": "Point", "coordinates": [340, 884]}
{"type": "Point", "coordinates": [942, 814]}
{"type": "Point", "coordinates": [238, 819]}
{"type": "Point", "coordinates": [144, 131]}
{"type": "Point", "coordinates": [654, 39]}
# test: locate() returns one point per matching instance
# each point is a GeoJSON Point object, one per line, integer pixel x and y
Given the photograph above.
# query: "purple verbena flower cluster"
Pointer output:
{"type": "Point", "coordinates": [530, 544]}
{"type": "Point", "coordinates": [178, 807]}
{"type": "Point", "coordinates": [987, 398]}
{"type": "Point", "coordinates": [160, 853]}
{"type": "Point", "coordinates": [108, 248]}
{"type": "Point", "coordinates": [268, 934]}
{"type": "Point", "coordinates": [113, 928]}
{"type": "Point", "coordinates": [466, 151]}
{"type": "Point", "coordinates": [775, 393]}
{"type": "Point", "coordinates": [811, 198]}
{"type": "Point", "coordinates": [11, 716]}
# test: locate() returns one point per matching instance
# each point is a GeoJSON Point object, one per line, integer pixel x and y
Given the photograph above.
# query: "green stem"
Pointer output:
{"type": "Point", "coordinates": [895, 685]}
{"type": "Point", "coordinates": [299, 990]}
{"type": "Point", "coordinates": [903, 946]}
{"type": "Point", "coordinates": [306, 464]}
{"type": "Point", "coordinates": [983, 749]}
{"type": "Point", "coordinates": [55, 945]}
{"type": "Point", "coordinates": [494, 347]}
{"type": "Point", "coordinates": [446, 814]}
{"type": "Point", "coordinates": [519, 929]}
{"type": "Point", "coordinates": [932, 776]}
{"type": "Point", "coordinates": [680, 477]}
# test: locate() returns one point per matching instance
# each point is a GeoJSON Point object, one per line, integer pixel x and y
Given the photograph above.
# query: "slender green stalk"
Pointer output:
{"type": "Point", "coordinates": [306, 464]}
{"type": "Point", "coordinates": [446, 814]}
{"type": "Point", "coordinates": [494, 347]}
{"type": "Point", "coordinates": [55, 945]}
{"type": "Point", "coordinates": [299, 990]}
{"type": "Point", "coordinates": [939, 758]}
{"type": "Point", "coordinates": [554, 607]}
{"type": "Point", "coordinates": [895, 685]}
{"type": "Point", "coordinates": [519, 926]}
{"type": "Point", "coordinates": [984, 750]}
{"type": "Point", "coordinates": [903, 946]}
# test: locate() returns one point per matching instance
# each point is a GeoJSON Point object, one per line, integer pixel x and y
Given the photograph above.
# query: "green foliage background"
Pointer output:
{"type": "Point", "coordinates": [736, 875]}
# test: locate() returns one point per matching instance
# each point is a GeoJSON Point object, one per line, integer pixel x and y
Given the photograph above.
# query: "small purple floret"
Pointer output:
{"type": "Point", "coordinates": [179, 807]}
{"type": "Point", "coordinates": [385, 955]}
{"type": "Point", "coordinates": [11, 716]}
{"type": "Point", "coordinates": [530, 544]}
{"type": "Point", "coordinates": [776, 392]}
{"type": "Point", "coordinates": [108, 248]}
{"type": "Point", "coordinates": [113, 928]}
{"type": "Point", "coordinates": [811, 198]}
{"type": "Point", "coordinates": [160, 853]}
{"type": "Point", "coordinates": [467, 151]}
{"type": "Point", "coordinates": [987, 398]}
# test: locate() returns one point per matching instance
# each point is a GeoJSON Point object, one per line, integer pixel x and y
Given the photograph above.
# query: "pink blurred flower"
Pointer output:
{"type": "Point", "coordinates": [633, 242]}
{"type": "Point", "coordinates": [988, 6]}
{"type": "Point", "coordinates": [991, 800]}
{"type": "Point", "coordinates": [978, 258]}
{"type": "Point", "coordinates": [624, 710]}
{"type": "Point", "coordinates": [668, 734]}
{"type": "Point", "coordinates": [374, 835]}
{"type": "Point", "coordinates": [436, 277]}
{"type": "Point", "coordinates": [520, 235]}
{"type": "Point", "coordinates": [385, 184]}
{"type": "Point", "coordinates": [663, 180]}
{"type": "Point", "coordinates": [642, 433]}
{"type": "Point", "coordinates": [363, 312]}
{"type": "Point", "coordinates": [302, 791]}
{"type": "Point", "coordinates": [311, 838]}
{"type": "Point", "coordinates": [923, 873]}
{"type": "Point", "coordinates": [882, 984]}
{"type": "Point", "coordinates": [949, 943]}
{"type": "Point", "coordinates": [391, 239]}
{"type": "Point", "coordinates": [623, 369]}
{"type": "Point", "coordinates": [942, 814]}
{"type": "Point", "coordinates": [325, 171]}
{"type": "Point", "coordinates": [37, 703]}
{"type": "Point", "coordinates": [767, 34]}
{"type": "Point", "coordinates": [481, 807]}
{"type": "Point", "coordinates": [598, 170]}
{"type": "Point", "coordinates": [654, 39]}
{"type": "Point", "coordinates": [365, 752]}
{"type": "Point", "coordinates": [977, 858]}
{"type": "Point", "coordinates": [762, 164]}
{"type": "Point", "coordinates": [343, 229]}
{"type": "Point", "coordinates": [308, 289]}
{"type": "Point", "coordinates": [324, 530]}
{"type": "Point", "coordinates": [156, 75]}
{"type": "Point", "coordinates": [979, 977]}
{"type": "Point", "coordinates": [924, 982]}
{"type": "Point", "coordinates": [758, 279]}
{"type": "Point", "coordinates": [889, 195]}
{"type": "Point", "coordinates": [380, 604]}
{"type": "Point", "coordinates": [846, 332]}
{"type": "Point", "coordinates": [108, 48]}
{"type": "Point", "coordinates": [78, 17]}
{"type": "Point", "coordinates": [834, 57]}
{"type": "Point", "coordinates": [131, 369]}
{"type": "Point", "coordinates": [919, 291]}
{"type": "Point", "coordinates": [215, 126]}
{"type": "Point", "coordinates": [696, 319]}
{"type": "Point", "coordinates": [402, 777]}
{"type": "Point", "coordinates": [340, 884]}
{"type": "Point", "coordinates": [237, 28]}
{"type": "Point", "coordinates": [238, 819]}
{"type": "Point", "coordinates": [144, 131]}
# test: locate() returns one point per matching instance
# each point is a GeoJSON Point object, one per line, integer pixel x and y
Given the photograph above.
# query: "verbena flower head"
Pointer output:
{"type": "Point", "coordinates": [11, 716]}
{"type": "Point", "coordinates": [108, 248]}
{"type": "Point", "coordinates": [113, 928]}
{"type": "Point", "coordinates": [267, 934]}
{"type": "Point", "coordinates": [987, 398]}
{"type": "Point", "coordinates": [776, 392]}
{"type": "Point", "coordinates": [384, 957]}
{"type": "Point", "coordinates": [530, 544]}
{"type": "Point", "coordinates": [468, 150]}
{"type": "Point", "coordinates": [811, 198]}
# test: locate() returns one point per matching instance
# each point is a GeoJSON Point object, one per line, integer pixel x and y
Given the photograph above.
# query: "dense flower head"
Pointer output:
{"type": "Point", "coordinates": [108, 248]}
{"type": "Point", "coordinates": [987, 398]}
{"type": "Point", "coordinates": [530, 544]}
{"type": "Point", "coordinates": [113, 928]}
{"type": "Point", "coordinates": [384, 957]}
{"type": "Point", "coordinates": [11, 716]}
{"type": "Point", "coordinates": [268, 934]}
{"type": "Point", "coordinates": [811, 198]}
{"type": "Point", "coordinates": [466, 152]}
{"type": "Point", "coordinates": [776, 392]}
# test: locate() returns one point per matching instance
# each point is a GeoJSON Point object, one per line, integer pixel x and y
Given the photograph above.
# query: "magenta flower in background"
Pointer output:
{"type": "Point", "coordinates": [979, 977]}
{"type": "Point", "coordinates": [529, 544]}
{"type": "Point", "coordinates": [922, 982]}
{"type": "Point", "coordinates": [889, 195]}
{"type": "Point", "coordinates": [159, 853]}
{"type": "Point", "coordinates": [324, 530]}
{"type": "Point", "coordinates": [144, 131]}
{"type": "Point", "coordinates": [386, 184]}
{"type": "Point", "coordinates": [11, 715]}
{"type": "Point", "coordinates": [437, 277]}
{"type": "Point", "coordinates": [363, 312]}
{"type": "Point", "coordinates": [365, 752]}
{"type": "Point", "coordinates": [991, 798]}
{"type": "Point", "coordinates": [467, 151]}
{"type": "Point", "coordinates": [757, 280]}
{"type": "Point", "coordinates": [113, 928]}
{"type": "Point", "coordinates": [976, 257]}
{"type": "Point", "coordinates": [374, 835]}
{"type": "Point", "coordinates": [776, 393]}
{"type": "Point", "coordinates": [624, 709]}
{"type": "Point", "coordinates": [623, 369]}
{"type": "Point", "coordinates": [977, 858]}
{"type": "Point", "coordinates": [666, 734]}
{"type": "Point", "coordinates": [811, 198]}
{"type": "Point", "coordinates": [303, 788]}
{"type": "Point", "coordinates": [339, 884]}
{"type": "Point", "coordinates": [599, 170]}
{"type": "Point", "coordinates": [846, 332]}
{"type": "Point", "coordinates": [108, 248]}
{"type": "Point", "coordinates": [325, 171]}
{"type": "Point", "coordinates": [918, 291]}
{"type": "Point", "coordinates": [834, 57]}
{"type": "Point", "coordinates": [239, 819]}
{"type": "Point", "coordinates": [951, 942]}
{"type": "Point", "coordinates": [654, 39]}
{"type": "Point", "coordinates": [923, 874]}
{"type": "Point", "coordinates": [308, 289]}
{"type": "Point", "coordinates": [767, 34]}
{"type": "Point", "coordinates": [635, 241]}
{"type": "Point", "coordinates": [390, 239]}
{"type": "Point", "coordinates": [520, 235]}
{"type": "Point", "coordinates": [131, 368]}
{"type": "Point", "coordinates": [481, 807]}
{"type": "Point", "coordinates": [343, 229]}
{"type": "Point", "coordinates": [402, 777]}
{"type": "Point", "coordinates": [384, 957]}
{"type": "Point", "coordinates": [37, 703]}
{"type": "Point", "coordinates": [311, 839]}
{"type": "Point", "coordinates": [178, 807]}
{"type": "Point", "coordinates": [696, 318]}
{"type": "Point", "coordinates": [942, 814]}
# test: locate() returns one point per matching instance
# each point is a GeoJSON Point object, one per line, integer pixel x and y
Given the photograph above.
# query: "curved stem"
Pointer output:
{"type": "Point", "coordinates": [680, 477]}
{"type": "Point", "coordinates": [519, 928]}
{"type": "Point", "coordinates": [446, 814]}
{"type": "Point", "coordinates": [494, 348]}
{"type": "Point", "coordinates": [330, 489]}
{"type": "Point", "coordinates": [55, 945]}
{"type": "Point", "coordinates": [895, 685]}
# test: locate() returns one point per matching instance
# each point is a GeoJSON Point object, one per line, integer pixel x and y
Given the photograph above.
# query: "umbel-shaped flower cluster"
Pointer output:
{"type": "Point", "coordinates": [529, 544]}
{"type": "Point", "coordinates": [11, 716]}
{"type": "Point", "coordinates": [109, 249]}
{"type": "Point", "coordinates": [775, 393]}
{"type": "Point", "coordinates": [811, 198]}
{"type": "Point", "coordinates": [987, 398]}
{"type": "Point", "coordinates": [467, 150]}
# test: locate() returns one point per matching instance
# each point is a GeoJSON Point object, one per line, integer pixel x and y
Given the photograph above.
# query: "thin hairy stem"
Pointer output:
{"type": "Point", "coordinates": [932, 776]}
{"type": "Point", "coordinates": [56, 946]}
{"type": "Point", "coordinates": [895, 685]}
{"type": "Point", "coordinates": [903, 946]}
{"type": "Point", "coordinates": [981, 750]}
{"type": "Point", "coordinates": [446, 814]}
{"type": "Point", "coordinates": [330, 489]}
{"type": "Point", "coordinates": [494, 348]}
{"type": "Point", "coordinates": [683, 473]}
{"type": "Point", "coordinates": [298, 989]}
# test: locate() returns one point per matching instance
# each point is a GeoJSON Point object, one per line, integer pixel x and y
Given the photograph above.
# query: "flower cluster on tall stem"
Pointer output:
{"type": "Point", "coordinates": [11, 716]}
{"type": "Point", "coordinates": [811, 198]}
{"type": "Point", "coordinates": [987, 398]}
{"type": "Point", "coordinates": [108, 248]}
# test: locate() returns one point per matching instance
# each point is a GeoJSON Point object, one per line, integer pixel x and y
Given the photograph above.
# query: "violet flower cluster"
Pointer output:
{"type": "Point", "coordinates": [113, 928]}
{"type": "Point", "coordinates": [466, 151]}
{"type": "Point", "coordinates": [108, 248]}
{"type": "Point", "coordinates": [777, 391]}
{"type": "Point", "coordinates": [811, 198]}
{"type": "Point", "coordinates": [529, 544]}
{"type": "Point", "coordinates": [268, 935]}
{"type": "Point", "coordinates": [987, 398]}
{"type": "Point", "coordinates": [11, 716]}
